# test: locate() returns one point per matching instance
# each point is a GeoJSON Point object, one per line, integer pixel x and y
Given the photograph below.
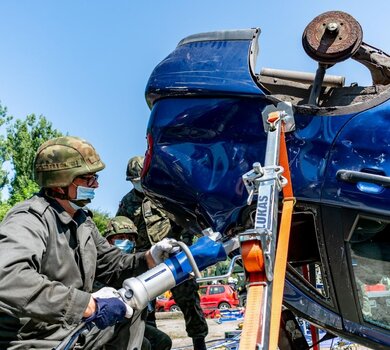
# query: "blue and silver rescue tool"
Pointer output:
{"type": "Point", "coordinates": [206, 251]}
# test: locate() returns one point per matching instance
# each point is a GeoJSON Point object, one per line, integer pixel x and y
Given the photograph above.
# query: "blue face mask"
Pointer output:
{"type": "Point", "coordinates": [124, 245]}
{"type": "Point", "coordinates": [84, 193]}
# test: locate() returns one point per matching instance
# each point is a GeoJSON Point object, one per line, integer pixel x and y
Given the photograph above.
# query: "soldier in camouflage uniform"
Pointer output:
{"type": "Point", "coordinates": [153, 225]}
{"type": "Point", "coordinates": [122, 233]}
{"type": "Point", "coordinates": [51, 252]}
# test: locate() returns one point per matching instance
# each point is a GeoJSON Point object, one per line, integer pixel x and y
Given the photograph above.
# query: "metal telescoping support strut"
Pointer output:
{"type": "Point", "coordinates": [258, 245]}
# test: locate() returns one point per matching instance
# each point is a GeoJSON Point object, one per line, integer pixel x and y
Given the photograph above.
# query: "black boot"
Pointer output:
{"type": "Point", "coordinates": [199, 343]}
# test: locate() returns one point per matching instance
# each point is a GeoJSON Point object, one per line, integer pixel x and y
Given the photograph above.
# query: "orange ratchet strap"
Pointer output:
{"type": "Point", "coordinates": [252, 257]}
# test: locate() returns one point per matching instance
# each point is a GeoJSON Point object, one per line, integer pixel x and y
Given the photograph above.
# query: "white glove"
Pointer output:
{"type": "Point", "coordinates": [107, 293]}
{"type": "Point", "coordinates": [161, 250]}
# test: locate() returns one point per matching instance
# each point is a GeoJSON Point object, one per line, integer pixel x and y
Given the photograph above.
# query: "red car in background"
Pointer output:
{"type": "Point", "coordinates": [220, 296]}
{"type": "Point", "coordinates": [212, 296]}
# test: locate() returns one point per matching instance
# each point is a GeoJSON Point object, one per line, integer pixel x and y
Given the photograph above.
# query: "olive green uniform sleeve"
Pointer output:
{"type": "Point", "coordinates": [46, 277]}
{"type": "Point", "coordinates": [24, 290]}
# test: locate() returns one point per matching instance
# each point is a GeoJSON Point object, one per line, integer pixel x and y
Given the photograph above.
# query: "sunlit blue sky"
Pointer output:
{"type": "Point", "coordinates": [84, 65]}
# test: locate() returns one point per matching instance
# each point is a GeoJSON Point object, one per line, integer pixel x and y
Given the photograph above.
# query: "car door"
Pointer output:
{"type": "Point", "coordinates": [204, 302]}
{"type": "Point", "coordinates": [215, 293]}
{"type": "Point", "coordinates": [358, 168]}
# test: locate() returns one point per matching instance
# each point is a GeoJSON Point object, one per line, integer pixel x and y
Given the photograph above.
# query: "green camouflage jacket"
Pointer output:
{"type": "Point", "coordinates": [152, 223]}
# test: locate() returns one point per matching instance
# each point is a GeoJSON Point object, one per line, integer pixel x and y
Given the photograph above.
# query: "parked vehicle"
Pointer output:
{"type": "Point", "coordinates": [160, 303]}
{"type": "Point", "coordinates": [214, 296]}
{"type": "Point", "coordinates": [170, 305]}
{"type": "Point", "coordinates": [218, 296]}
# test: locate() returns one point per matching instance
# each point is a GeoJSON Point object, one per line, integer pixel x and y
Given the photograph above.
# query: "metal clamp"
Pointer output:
{"type": "Point", "coordinates": [286, 114]}
{"type": "Point", "coordinates": [253, 178]}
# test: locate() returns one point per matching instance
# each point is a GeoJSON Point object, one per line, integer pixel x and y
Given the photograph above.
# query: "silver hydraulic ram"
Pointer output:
{"type": "Point", "coordinates": [206, 251]}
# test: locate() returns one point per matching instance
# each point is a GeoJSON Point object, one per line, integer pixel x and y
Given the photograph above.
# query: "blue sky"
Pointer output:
{"type": "Point", "coordinates": [84, 65]}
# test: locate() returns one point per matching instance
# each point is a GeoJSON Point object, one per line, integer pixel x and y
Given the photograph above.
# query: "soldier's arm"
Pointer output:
{"type": "Point", "coordinates": [24, 291]}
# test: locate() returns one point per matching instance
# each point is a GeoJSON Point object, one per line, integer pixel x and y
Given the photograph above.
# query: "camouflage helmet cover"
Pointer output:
{"type": "Point", "coordinates": [60, 160]}
{"type": "Point", "coordinates": [134, 167]}
{"type": "Point", "coordinates": [120, 225]}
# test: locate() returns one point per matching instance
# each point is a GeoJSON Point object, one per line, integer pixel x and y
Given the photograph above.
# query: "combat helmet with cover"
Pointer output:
{"type": "Point", "coordinates": [60, 160]}
{"type": "Point", "coordinates": [134, 168]}
{"type": "Point", "coordinates": [120, 225]}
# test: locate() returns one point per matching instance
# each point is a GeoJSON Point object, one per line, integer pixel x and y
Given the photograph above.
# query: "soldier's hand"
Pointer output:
{"type": "Point", "coordinates": [161, 250]}
{"type": "Point", "coordinates": [110, 308]}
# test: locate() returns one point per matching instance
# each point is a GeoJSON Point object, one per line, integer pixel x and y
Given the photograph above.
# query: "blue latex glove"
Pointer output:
{"type": "Point", "coordinates": [108, 312]}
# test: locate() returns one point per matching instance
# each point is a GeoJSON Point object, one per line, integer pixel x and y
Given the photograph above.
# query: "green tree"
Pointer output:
{"type": "Point", "coordinates": [4, 207]}
{"type": "Point", "coordinates": [100, 219]}
{"type": "Point", "coordinates": [18, 147]}
{"type": "Point", "coordinates": [4, 119]}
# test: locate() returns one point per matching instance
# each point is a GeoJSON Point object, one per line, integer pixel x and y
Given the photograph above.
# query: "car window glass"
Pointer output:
{"type": "Point", "coordinates": [370, 257]}
{"type": "Point", "coordinates": [202, 290]}
{"type": "Point", "coordinates": [216, 290]}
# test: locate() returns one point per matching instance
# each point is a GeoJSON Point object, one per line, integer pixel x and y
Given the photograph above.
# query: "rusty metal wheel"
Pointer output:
{"type": "Point", "coordinates": [332, 37]}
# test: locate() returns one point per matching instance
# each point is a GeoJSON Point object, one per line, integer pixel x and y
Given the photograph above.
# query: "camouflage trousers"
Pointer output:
{"type": "Point", "coordinates": [187, 298]}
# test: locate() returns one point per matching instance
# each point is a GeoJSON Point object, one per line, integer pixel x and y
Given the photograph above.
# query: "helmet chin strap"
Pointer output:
{"type": "Point", "coordinates": [51, 193]}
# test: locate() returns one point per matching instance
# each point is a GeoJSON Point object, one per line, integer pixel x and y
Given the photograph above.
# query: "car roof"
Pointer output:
{"type": "Point", "coordinates": [214, 285]}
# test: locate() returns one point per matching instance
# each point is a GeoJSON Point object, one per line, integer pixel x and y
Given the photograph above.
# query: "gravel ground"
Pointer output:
{"type": "Point", "coordinates": [173, 324]}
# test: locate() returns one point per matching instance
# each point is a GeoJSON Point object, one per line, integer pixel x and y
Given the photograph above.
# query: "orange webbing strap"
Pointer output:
{"type": "Point", "coordinates": [252, 257]}
{"type": "Point", "coordinates": [281, 250]}
{"type": "Point", "coordinates": [283, 160]}
{"type": "Point", "coordinates": [280, 272]}
{"type": "Point", "coordinates": [251, 334]}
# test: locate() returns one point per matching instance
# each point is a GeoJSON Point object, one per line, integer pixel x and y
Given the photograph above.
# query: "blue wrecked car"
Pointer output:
{"type": "Point", "coordinates": [206, 131]}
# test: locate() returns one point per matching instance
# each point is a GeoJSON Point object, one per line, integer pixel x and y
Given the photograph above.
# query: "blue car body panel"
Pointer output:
{"type": "Point", "coordinates": [199, 66]}
{"type": "Point", "coordinates": [204, 145]}
{"type": "Point", "coordinates": [362, 145]}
